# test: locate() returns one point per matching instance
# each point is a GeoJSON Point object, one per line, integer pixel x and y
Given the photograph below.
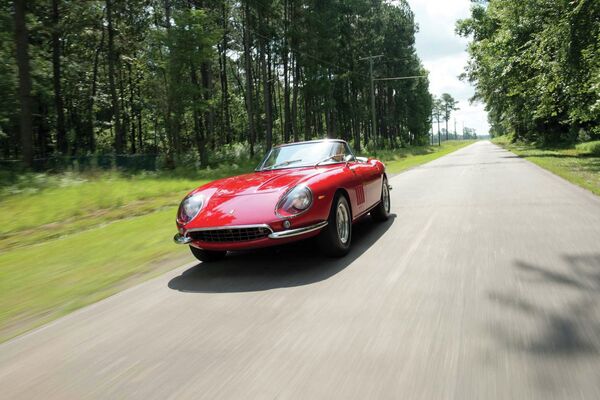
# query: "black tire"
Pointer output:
{"type": "Point", "coordinates": [207, 255]}
{"type": "Point", "coordinates": [381, 212]}
{"type": "Point", "coordinates": [336, 242]}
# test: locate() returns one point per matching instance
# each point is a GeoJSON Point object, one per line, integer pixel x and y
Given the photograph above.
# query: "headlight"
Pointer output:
{"type": "Point", "coordinates": [189, 208]}
{"type": "Point", "coordinates": [294, 202]}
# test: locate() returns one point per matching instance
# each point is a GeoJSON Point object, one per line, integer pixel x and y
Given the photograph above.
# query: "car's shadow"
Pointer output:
{"type": "Point", "coordinates": [291, 265]}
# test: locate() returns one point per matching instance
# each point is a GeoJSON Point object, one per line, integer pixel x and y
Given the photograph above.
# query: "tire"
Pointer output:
{"type": "Point", "coordinates": [336, 242]}
{"type": "Point", "coordinates": [207, 255]}
{"type": "Point", "coordinates": [381, 212]}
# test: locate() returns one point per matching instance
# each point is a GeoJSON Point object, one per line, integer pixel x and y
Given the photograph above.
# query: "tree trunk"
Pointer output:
{"type": "Point", "coordinates": [131, 109]}
{"type": "Point", "coordinates": [294, 117]}
{"type": "Point", "coordinates": [306, 115]}
{"type": "Point", "coordinates": [125, 121]}
{"type": "Point", "coordinates": [139, 114]}
{"type": "Point", "coordinates": [248, 70]}
{"type": "Point", "coordinates": [61, 135]}
{"type": "Point", "coordinates": [112, 60]}
{"type": "Point", "coordinates": [22, 44]}
{"type": "Point", "coordinates": [91, 137]}
{"type": "Point", "coordinates": [198, 131]}
{"type": "Point", "coordinates": [266, 95]}
{"type": "Point", "coordinates": [287, 123]}
{"type": "Point", "coordinates": [224, 83]}
{"type": "Point", "coordinates": [209, 113]}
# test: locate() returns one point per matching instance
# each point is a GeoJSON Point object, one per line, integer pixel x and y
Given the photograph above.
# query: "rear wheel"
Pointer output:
{"type": "Point", "coordinates": [207, 255]}
{"type": "Point", "coordinates": [336, 237]}
{"type": "Point", "coordinates": [381, 212]}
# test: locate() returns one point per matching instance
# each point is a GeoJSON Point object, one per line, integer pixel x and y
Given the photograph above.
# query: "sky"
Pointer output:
{"type": "Point", "coordinates": [444, 55]}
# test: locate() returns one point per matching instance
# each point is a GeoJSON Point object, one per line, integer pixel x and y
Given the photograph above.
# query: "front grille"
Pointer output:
{"type": "Point", "coordinates": [230, 235]}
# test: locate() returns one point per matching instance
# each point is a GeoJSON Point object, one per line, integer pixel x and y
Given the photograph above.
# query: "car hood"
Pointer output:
{"type": "Point", "coordinates": [247, 199]}
{"type": "Point", "coordinates": [259, 182]}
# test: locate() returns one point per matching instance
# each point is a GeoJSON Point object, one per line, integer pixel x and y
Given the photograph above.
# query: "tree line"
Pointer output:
{"type": "Point", "coordinates": [536, 65]}
{"type": "Point", "coordinates": [174, 77]}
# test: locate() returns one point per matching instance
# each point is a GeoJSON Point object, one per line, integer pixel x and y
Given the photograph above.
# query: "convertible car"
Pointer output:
{"type": "Point", "coordinates": [299, 190]}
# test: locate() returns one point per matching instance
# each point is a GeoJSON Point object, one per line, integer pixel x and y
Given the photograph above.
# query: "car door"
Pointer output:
{"type": "Point", "coordinates": [360, 195]}
{"type": "Point", "coordinates": [372, 183]}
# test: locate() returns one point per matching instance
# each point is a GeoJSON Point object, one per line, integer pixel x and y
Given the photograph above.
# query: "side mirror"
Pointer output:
{"type": "Point", "coordinates": [348, 158]}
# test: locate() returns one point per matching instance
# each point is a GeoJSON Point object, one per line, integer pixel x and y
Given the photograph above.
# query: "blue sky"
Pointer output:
{"type": "Point", "coordinates": [444, 54]}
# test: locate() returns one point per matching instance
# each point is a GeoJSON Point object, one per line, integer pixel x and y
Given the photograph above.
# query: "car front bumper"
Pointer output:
{"type": "Point", "coordinates": [273, 239]}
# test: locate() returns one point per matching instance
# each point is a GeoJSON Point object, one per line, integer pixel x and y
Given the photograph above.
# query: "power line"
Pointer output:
{"type": "Point", "coordinates": [398, 78]}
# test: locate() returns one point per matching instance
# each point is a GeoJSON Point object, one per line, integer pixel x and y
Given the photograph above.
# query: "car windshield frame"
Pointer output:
{"type": "Point", "coordinates": [291, 162]}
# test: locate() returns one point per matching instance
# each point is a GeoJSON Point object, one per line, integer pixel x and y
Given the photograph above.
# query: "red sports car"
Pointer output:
{"type": "Point", "coordinates": [298, 191]}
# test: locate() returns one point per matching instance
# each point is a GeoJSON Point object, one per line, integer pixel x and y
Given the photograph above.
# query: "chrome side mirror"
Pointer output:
{"type": "Point", "coordinates": [348, 158]}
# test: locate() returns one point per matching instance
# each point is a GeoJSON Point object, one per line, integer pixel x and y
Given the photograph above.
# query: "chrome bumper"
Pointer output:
{"type": "Point", "coordinates": [180, 239]}
{"type": "Point", "coordinates": [297, 232]}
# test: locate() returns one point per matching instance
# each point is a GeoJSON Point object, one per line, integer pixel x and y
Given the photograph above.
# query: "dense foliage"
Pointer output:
{"type": "Point", "coordinates": [181, 77]}
{"type": "Point", "coordinates": [536, 65]}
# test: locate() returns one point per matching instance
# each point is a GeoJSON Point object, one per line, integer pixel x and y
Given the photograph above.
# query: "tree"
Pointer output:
{"type": "Point", "coordinates": [61, 139]}
{"type": "Point", "coordinates": [186, 79]}
{"type": "Point", "coordinates": [438, 114]}
{"type": "Point", "coordinates": [535, 65]}
{"type": "Point", "coordinates": [448, 105]}
{"type": "Point", "coordinates": [119, 141]}
{"type": "Point", "coordinates": [22, 56]}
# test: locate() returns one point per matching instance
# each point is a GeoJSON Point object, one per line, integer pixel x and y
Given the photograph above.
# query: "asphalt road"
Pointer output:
{"type": "Point", "coordinates": [485, 284]}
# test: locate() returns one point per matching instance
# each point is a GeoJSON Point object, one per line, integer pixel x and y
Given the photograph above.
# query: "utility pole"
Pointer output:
{"type": "Point", "coordinates": [373, 117]}
{"type": "Point", "coordinates": [455, 133]}
{"type": "Point", "coordinates": [374, 121]}
{"type": "Point", "coordinates": [432, 133]}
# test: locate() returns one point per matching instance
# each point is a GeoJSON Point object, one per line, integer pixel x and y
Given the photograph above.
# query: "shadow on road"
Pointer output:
{"type": "Point", "coordinates": [567, 319]}
{"type": "Point", "coordinates": [290, 265]}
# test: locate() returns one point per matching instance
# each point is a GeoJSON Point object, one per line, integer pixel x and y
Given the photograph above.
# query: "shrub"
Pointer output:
{"type": "Point", "coordinates": [589, 148]}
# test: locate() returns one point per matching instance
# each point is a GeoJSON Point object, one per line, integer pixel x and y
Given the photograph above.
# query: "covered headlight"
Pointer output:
{"type": "Point", "coordinates": [189, 208]}
{"type": "Point", "coordinates": [294, 202]}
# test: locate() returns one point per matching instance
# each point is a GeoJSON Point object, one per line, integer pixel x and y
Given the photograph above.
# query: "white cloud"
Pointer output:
{"type": "Point", "coordinates": [444, 54]}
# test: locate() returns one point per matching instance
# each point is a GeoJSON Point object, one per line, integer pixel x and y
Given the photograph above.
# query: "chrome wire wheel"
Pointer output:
{"type": "Point", "coordinates": [334, 240]}
{"type": "Point", "coordinates": [343, 223]}
{"type": "Point", "coordinates": [386, 197]}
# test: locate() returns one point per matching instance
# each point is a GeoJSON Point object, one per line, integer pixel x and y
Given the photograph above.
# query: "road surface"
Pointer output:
{"type": "Point", "coordinates": [485, 284]}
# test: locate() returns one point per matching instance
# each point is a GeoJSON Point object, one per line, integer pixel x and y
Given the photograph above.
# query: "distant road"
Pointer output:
{"type": "Point", "coordinates": [484, 285]}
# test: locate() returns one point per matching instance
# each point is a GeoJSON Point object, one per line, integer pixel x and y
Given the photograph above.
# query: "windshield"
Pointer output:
{"type": "Point", "coordinates": [305, 154]}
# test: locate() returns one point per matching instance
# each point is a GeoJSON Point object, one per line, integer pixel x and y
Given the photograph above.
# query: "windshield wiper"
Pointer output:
{"type": "Point", "coordinates": [327, 159]}
{"type": "Point", "coordinates": [281, 164]}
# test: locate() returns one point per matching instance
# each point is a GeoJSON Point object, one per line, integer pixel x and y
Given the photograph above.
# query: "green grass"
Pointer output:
{"type": "Point", "coordinates": [574, 164]}
{"type": "Point", "coordinates": [41, 207]}
{"type": "Point", "coordinates": [40, 283]}
{"type": "Point", "coordinates": [67, 241]}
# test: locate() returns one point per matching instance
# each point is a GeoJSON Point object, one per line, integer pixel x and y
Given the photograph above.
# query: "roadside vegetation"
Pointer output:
{"type": "Point", "coordinates": [536, 66]}
{"type": "Point", "coordinates": [579, 164]}
{"type": "Point", "coordinates": [70, 239]}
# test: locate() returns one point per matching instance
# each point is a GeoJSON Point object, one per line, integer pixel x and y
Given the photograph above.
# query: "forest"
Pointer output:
{"type": "Point", "coordinates": [536, 66]}
{"type": "Point", "coordinates": [190, 79]}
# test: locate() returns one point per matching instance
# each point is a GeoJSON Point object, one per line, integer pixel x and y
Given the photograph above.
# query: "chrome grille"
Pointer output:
{"type": "Point", "coordinates": [230, 235]}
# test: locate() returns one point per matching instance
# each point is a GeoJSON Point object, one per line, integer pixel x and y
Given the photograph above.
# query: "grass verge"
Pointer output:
{"type": "Point", "coordinates": [80, 239]}
{"type": "Point", "coordinates": [571, 163]}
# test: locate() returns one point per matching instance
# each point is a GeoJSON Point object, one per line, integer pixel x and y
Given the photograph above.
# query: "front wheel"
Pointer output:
{"type": "Point", "coordinates": [381, 212]}
{"type": "Point", "coordinates": [336, 237]}
{"type": "Point", "coordinates": [207, 255]}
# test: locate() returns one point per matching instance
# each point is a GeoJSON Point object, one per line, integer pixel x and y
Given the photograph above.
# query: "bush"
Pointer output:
{"type": "Point", "coordinates": [589, 148]}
